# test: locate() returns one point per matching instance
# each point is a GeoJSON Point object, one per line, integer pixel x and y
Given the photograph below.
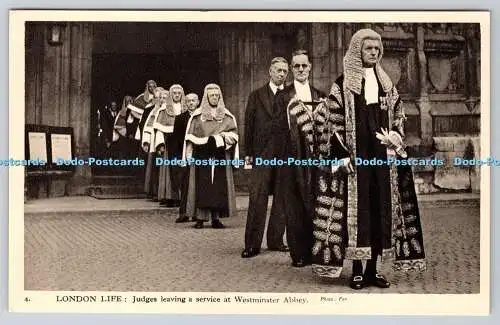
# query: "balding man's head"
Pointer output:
{"type": "Point", "coordinates": [192, 101]}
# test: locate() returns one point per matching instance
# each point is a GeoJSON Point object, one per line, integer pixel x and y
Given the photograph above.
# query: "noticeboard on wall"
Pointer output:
{"type": "Point", "coordinates": [52, 145]}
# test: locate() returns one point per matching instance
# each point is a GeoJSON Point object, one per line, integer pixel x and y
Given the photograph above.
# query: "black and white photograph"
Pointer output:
{"type": "Point", "coordinates": [250, 162]}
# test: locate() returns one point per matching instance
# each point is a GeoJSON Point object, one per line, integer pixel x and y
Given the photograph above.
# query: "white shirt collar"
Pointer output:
{"type": "Point", "coordinates": [274, 87]}
{"type": "Point", "coordinates": [298, 84]}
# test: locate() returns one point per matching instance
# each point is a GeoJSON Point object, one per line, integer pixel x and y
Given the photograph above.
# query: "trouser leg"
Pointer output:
{"type": "Point", "coordinates": [257, 207]}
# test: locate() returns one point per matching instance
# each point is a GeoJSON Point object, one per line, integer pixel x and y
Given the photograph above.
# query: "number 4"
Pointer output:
{"type": "Point", "coordinates": [27, 299]}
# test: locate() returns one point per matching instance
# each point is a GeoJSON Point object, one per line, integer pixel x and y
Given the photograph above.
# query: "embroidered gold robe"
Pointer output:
{"type": "Point", "coordinates": [336, 218]}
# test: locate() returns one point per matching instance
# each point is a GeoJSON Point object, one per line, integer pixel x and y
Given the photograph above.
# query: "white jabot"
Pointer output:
{"type": "Point", "coordinates": [177, 108]}
{"type": "Point", "coordinates": [303, 91]}
{"type": "Point", "coordinates": [274, 87]}
{"type": "Point", "coordinates": [371, 86]}
{"type": "Point", "coordinates": [213, 111]}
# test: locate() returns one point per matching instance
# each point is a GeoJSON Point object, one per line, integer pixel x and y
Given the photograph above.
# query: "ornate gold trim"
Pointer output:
{"type": "Point", "coordinates": [358, 253]}
{"type": "Point", "coordinates": [325, 271]}
{"type": "Point", "coordinates": [352, 179]}
{"type": "Point", "coordinates": [388, 254]}
{"type": "Point", "coordinates": [410, 265]}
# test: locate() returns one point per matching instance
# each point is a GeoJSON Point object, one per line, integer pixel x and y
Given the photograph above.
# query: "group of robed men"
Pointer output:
{"type": "Point", "coordinates": [340, 212]}
{"type": "Point", "coordinates": [171, 127]}
{"type": "Point", "coordinates": [331, 214]}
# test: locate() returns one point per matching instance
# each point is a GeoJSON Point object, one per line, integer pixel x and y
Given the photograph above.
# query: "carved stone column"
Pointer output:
{"type": "Point", "coordinates": [473, 70]}
{"type": "Point", "coordinates": [320, 56]}
{"type": "Point", "coordinates": [244, 57]}
{"type": "Point", "coordinates": [473, 92]}
{"type": "Point", "coordinates": [35, 38]}
{"type": "Point", "coordinates": [302, 38]}
{"type": "Point", "coordinates": [423, 102]}
{"type": "Point", "coordinates": [339, 49]}
{"type": "Point", "coordinates": [79, 90]}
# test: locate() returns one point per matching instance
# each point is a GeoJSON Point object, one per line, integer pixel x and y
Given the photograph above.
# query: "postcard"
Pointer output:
{"type": "Point", "coordinates": [365, 141]}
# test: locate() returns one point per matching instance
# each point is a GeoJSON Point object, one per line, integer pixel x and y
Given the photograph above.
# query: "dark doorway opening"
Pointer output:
{"type": "Point", "coordinates": [115, 76]}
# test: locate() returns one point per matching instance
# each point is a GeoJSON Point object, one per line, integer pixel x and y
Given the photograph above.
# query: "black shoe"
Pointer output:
{"type": "Point", "coordinates": [193, 219]}
{"type": "Point", "coordinates": [281, 248]}
{"type": "Point", "coordinates": [182, 219]}
{"type": "Point", "coordinates": [217, 224]}
{"type": "Point", "coordinates": [198, 224]}
{"type": "Point", "coordinates": [301, 262]}
{"type": "Point", "coordinates": [357, 282]}
{"type": "Point", "coordinates": [250, 252]}
{"type": "Point", "coordinates": [379, 281]}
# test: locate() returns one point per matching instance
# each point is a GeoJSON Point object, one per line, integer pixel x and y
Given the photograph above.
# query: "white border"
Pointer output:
{"type": "Point", "coordinates": [392, 304]}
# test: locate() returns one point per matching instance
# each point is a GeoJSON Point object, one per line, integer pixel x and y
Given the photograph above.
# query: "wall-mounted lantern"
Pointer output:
{"type": "Point", "coordinates": [55, 33]}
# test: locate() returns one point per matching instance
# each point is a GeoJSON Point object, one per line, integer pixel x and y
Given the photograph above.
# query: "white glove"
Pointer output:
{"type": "Point", "coordinates": [393, 141]}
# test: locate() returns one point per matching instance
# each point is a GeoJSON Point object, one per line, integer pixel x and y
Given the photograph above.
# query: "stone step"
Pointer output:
{"type": "Point", "coordinates": [116, 180]}
{"type": "Point", "coordinates": [86, 206]}
{"type": "Point", "coordinates": [116, 190]}
{"type": "Point", "coordinates": [111, 196]}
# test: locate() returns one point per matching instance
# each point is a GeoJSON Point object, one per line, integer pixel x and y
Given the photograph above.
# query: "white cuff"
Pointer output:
{"type": "Point", "coordinates": [163, 128]}
{"type": "Point", "coordinates": [121, 130]}
{"type": "Point", "coordinates": [159, 139]}
{"type": "Point", "coordinates": [219, 141]}
{"type": "Point", "coordinates": [196, 140]}
{"type": "Point", "coordinates": [135, 109]}
{"type": "Point", "coordinates": [135, 115]}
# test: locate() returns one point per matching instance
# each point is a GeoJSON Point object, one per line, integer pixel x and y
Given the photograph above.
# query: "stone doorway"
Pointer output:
{"type": "Point", "coordinates": [117, 75]}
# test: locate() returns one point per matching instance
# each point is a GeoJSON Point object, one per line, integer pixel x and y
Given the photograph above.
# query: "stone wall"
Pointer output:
{"type": "Point", "coordinates": [452, 176]}
{"type": "Point", "coordinates": [58, 92]}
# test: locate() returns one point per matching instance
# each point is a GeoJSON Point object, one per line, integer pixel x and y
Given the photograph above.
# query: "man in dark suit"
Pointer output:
{"type": "Point", "coordinates": [107, 119]}
{"type": "Point", "coordinates": [260, 141]}
{"type": "Point", "coordinates": [295, 190]}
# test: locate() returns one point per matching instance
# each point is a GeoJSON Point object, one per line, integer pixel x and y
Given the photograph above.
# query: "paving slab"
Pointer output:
{"type": "Point", "coordinates": [138, 250]}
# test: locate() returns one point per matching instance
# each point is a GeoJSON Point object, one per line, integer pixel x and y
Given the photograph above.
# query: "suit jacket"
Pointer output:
{"type": "Point", "coordinates": [107, 123]}
{"type": "Point", "coordinates": [261, 122]}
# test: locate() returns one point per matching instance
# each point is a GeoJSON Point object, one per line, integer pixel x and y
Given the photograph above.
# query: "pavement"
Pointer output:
{"type": "Point", "coordinates": [90, 204]}
{"type": "Point", "coordinates": [82, 243]}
